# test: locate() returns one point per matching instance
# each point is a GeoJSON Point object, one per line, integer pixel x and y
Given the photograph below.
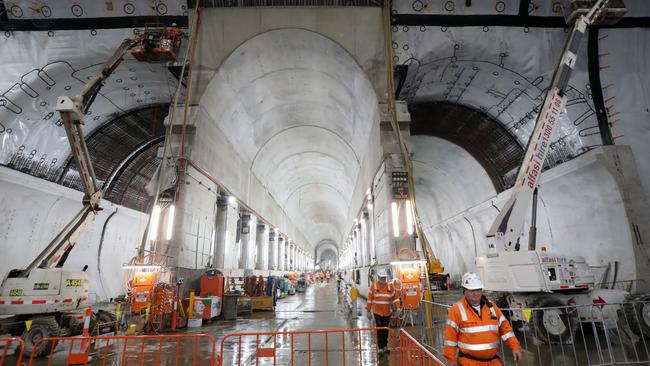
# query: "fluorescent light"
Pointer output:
{"type": "Point", "coordinates": [408, 262]}
{"type": "Point", "coordinates": [370, 206]}
{"type": "Point", "coordinates": [141, 266]}
{"type": "Point", "coordinates": [212, 242]}
{"type": "Point", "coordinates": [395, 222]}
{"type": "Point", "coordinates": [232, 200]}
{"type": "Point", "coordinates": [153, 225]}
{"type": "Point", "coordinates": [170, 222]}
{"type": "Point", "coordinates": [409, 217]}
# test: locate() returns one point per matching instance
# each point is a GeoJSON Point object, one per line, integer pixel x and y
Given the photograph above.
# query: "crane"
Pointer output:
{"type": "Point", "coordinates": [530, 277]}
{"type": "Point", "coordinates": [44, 291]}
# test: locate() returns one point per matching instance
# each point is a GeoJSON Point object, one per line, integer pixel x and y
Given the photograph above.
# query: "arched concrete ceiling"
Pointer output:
{"type": "Point", "coordinates": [38, 67]}
{"type": "Point", "coordinates": [299, 109]}
{"type": "Point", "coordinates": [447, 179]}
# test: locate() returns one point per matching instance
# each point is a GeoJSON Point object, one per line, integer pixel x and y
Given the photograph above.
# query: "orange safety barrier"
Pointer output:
{"type": "Point", "coordinates": [320, 347]}
{"type": "Point", "coordinates": [411, 352]}
{"type": "Point", "coordinates": [7, 343]}
{"type": "Point", "coordinates": [163, 349]}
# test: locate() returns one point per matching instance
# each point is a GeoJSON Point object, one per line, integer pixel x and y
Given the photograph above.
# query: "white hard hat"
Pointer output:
{"type": "Point", "coordinates": [471, 281]}
{"type": "Point", "coordinates": [382, 273]}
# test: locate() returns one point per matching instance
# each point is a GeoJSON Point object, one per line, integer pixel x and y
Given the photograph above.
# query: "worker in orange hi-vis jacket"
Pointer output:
{"type": "Point", "coordinates": [474, 328]}
{"type": "Point", "coordinates": [382, 299]}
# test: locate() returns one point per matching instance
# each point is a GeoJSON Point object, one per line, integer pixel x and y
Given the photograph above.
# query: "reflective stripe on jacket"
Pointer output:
{"type": "Point", "coordinates": [474, 335]}
{"type": "Point", "coordinates": [381, 299]}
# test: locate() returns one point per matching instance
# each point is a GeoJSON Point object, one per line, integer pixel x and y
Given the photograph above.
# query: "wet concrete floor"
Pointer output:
{"type": "Point", "coordinates": [318, 308]}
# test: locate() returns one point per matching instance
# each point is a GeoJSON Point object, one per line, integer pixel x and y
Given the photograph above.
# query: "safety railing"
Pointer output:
{"type": "Point", "coordinates": [355, 346]}
{"type": "Point", "coordinates": [411, 352]}
{"type": "Point", "coordinates": [164, 349]}
{"type": "Point", "coordinates": [594, 335]}
{"type": "Point", "coordinates": [11, 347]}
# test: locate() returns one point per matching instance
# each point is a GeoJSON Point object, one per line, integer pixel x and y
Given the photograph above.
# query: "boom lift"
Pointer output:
{"type": "Point", "coordinates": [45, 292]}
{"type": "Point", "coordinates": [531, 277]}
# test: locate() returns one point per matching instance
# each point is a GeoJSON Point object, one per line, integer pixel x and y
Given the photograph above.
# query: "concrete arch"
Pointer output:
{"type": "Point", "coordinates": [299, 109]}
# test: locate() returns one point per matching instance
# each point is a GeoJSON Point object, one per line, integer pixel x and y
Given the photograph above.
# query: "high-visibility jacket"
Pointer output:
{"type": "Point", "coordinates": [381, 298]}
{"type": "Point", "coordinates": [474, 335]}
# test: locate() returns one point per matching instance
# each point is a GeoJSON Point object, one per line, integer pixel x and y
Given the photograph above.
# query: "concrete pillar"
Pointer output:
{"type": "Point", "coordinates": [281, 252]}
{"type": "Point", "coordinates": [227, 216]}
{"type": "Point", "coordinates": [273, 251]}
{"type": "Point", "coordinates": [262, 245]}
{"type": "Point", "coordinates": [362, 242]}
{"type": "Point", "coordinates": [247, 241]}
{"type": "Point", "coordinates": [286, 254]}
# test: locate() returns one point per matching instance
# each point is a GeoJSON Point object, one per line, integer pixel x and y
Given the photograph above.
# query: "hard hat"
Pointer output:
{"type": "Point", "coordinates": [471, 281]}
{"type": "Point", "coordinates": [382, 273]}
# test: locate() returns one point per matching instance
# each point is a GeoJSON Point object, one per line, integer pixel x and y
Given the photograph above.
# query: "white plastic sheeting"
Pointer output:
{"type": "Point", "coordinates": [32, 211]}
{"type": "Point", "coordinates": [71, 9]}
{"type": "Point", "coordinates": [575, 217]}
{"type": "Point", "coordinates": [299, 109]}
{"type": "Point", "coordinates": [626, 90]}
{"type": "Point", "coordinates": [501, 71]}
{"type": "Point", "coordinates": [38, 67]}
{"type": "Point", "coordinates": [539, 8]}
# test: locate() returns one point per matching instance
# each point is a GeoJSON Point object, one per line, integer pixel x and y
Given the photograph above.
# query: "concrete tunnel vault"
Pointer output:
{"type": "Point", "coordinates": [299, 110]}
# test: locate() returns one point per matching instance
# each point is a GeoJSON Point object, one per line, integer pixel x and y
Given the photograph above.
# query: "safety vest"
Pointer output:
{"type": "Point", "coordinates": [381, 298]}
{"type": "Point", "coordinates": [474, 335]}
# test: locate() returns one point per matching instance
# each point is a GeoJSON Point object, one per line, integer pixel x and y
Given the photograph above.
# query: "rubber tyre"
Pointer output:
{"type": "Point", "coordinates": [104, 317]}
{"type": "Point", "coordinates": [638, 316]}
{"type": "Point", "coordinates": [554, 326]}
{"type": "Point", "coordinates": [42, 327]}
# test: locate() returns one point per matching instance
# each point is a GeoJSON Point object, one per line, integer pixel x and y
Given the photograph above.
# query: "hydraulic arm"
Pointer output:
{"type": "Point", "coordinates": [509, 224]}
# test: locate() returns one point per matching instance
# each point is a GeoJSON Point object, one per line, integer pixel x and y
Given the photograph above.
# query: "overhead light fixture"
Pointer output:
{"type": "Point", "coordinates": [170, 222]}
{"type": "Point", "coordinates": [409, 217]}
{"type": "Point", "coordinates": [141, 266]}
{"type": "Point", "coordinates": [370, 205]}
{"type": "Point", "coordinates": [153, 225]}
{"type": "Point", "coordinates": [232, 200]}
{"type": "Point", "coordinates": [395, 222]}
{"type": "Point", "coordinates": [408, 262]}
{"type": "Point", "coordinates": [252, 221]}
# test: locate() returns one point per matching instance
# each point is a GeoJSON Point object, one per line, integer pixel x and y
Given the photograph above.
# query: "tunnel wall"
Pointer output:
{"type": "Point", "coordinates": [32, 211]}
{"type": "Point", "coordinates": [584, 210]}
{"type": "Point", "coordinates": [357, 29]}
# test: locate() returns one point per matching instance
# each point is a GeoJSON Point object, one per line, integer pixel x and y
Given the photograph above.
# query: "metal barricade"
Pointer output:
{"type": "Point", "coordinates": [594, 335]}
{"type": "Point", "coordinates": [411, 352]}
{"type": "Point", "coordinates": [323, 347]}
{"type": "Point", "coordinates": [11, 347]}
{"type": "Point", "coordinates": [164, 349]}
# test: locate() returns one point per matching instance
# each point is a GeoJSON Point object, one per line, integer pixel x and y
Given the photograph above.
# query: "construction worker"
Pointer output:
{"type": "Point", "coordinates": [474, 328]}
{"type": "Point", "coordinates": [382, 299]}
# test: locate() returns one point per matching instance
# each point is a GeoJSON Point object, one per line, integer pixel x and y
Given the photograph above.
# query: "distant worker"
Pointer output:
{"type": "Point", "coordinates": [474, 328]}
{"type": "Point", "coordinates": [382, 299]}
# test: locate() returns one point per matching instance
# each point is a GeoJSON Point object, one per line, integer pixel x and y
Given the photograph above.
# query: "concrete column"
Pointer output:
{"type": "Point", "coordinates": [281, 252]}
{"type": "Point", "coordinates": [292, 256]}
{"type": "Point", "coordinates": [273, 251]}
{"type": "Point", "coordinates": [262, 245]}
{"type": "Point", "coordinates": [286, 254]}
{"type": "Point", "coordinates": [247, 241]}
{"type": "Point", "coordinates": [227, 216]}
{"type": "Point", "coordinates": [362, 242]}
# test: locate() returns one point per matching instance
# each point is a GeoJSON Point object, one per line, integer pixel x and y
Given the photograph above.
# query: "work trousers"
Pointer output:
{"type": "Point", "coordinates": [382, 334]}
